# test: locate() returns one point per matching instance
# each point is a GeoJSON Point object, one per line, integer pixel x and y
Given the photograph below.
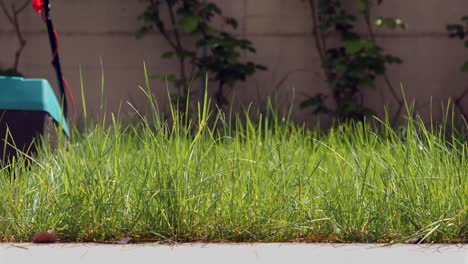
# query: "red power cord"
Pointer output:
{"type": "Point", "coordinates": [38, 6]}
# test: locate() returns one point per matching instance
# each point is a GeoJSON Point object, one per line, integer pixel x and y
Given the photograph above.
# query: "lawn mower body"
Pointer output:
{"type": "Point", "coordinates": [28, 110]}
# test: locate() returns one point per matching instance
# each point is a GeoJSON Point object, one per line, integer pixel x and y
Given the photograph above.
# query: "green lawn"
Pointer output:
{"type": "Point", "coordinates": [232, 180]}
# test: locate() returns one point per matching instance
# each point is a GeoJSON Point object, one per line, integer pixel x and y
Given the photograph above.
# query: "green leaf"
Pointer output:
{"type": "Point", "coordinates": [167, 55]}
{"type": "Point", "coordinates": [362, 5]}
{"type": "Point", "coordinates": [185, 54]}
{"type": "Point", "coordinates": [456, 31]}
{"type": "Point", "coordinates": [402, 24]}
{"type": "Point", "coordinates": [313, 101]}
{"type": "Point", "coordinates": [212, 8]}
{"type": "Point", "coordinates": [356, 45]}
{"type": "Point", "coordinates": [210, 31]}
{"type": "Point", "coordinates": [340, 65]}
{"type": "Point", "coordinates": [393, 59]}
{"type": "Point", "coordinates": [454, 27]}
{"type": "Point", "coordinates": [465, 66]}
{"type": "Point", "coordinates": [368, 82]}
{"type": "Point", "coordinates": [189, 24]}
{"type": "Point", "coordinates": [231, 21]}
{"type": "Point", "coordinates": [142, 31]}
{"type": "Point", "coordinates": [317, 102]}
{"type": "Point", "coordinates": [390, 23]}
{"type": "Point", "coordinates": [379, 22]}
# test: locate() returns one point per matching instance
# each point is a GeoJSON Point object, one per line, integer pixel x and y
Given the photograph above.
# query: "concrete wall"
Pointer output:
{"type": "Point", "coordinates": [91, 31]}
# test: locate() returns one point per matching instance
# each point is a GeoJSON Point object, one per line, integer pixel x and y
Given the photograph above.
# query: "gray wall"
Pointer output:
{"type": "Point", "coordinates": [91, 30]}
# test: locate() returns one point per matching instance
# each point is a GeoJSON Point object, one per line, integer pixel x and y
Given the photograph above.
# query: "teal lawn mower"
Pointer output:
{"type": "Point", "coordinates": [29, 108]}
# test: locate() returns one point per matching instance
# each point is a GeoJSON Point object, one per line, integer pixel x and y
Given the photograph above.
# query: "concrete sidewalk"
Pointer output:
{"type": "Point", "coordinates": [232, 253]}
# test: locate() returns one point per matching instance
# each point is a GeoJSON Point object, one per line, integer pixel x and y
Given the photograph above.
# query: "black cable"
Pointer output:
{"type": "Point", "coordinates": [56, 58]}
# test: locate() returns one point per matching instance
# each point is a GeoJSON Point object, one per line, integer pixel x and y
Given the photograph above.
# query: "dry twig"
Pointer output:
{"type": "Point", "coordinates": [12, 14]}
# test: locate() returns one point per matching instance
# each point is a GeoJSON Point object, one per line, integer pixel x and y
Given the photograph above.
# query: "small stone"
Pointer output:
{"type": "Point", "coordinates": [45, 237]}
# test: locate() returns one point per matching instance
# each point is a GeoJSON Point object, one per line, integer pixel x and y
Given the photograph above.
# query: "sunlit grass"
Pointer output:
{"type": "Point", "coordinates": [222, 177]}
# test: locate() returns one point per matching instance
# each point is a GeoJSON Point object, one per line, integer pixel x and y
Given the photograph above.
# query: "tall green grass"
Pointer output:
{"type": "Point", "coordinates": [224, 177]}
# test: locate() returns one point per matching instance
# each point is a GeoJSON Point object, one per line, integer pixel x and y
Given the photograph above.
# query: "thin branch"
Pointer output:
{"type": "Point", "coordinates": [179, 48]}
{"type": "Point", "coordinates": [5, 11]}
{"type": "Point", "coordinates": [318, 37]}
{"type": "Point", "coordinates": [155, 6]}
{"type": "Point", "coordinates": [14, 20]}
{"type": "Point", "coordinates": [399, 101]}
{"type": "Point", "coordinates": [465, 93]}
{"type": "Point", "coordinates": [367, 18]}
{"type": "Point", "coordinates": [173, 21]}
{"type": "Point", "coordinates": [19, 34]}
{"type": "Point", "coordinates": [22, 42]}
{"type": "Point", "coordinates": [22, 7]}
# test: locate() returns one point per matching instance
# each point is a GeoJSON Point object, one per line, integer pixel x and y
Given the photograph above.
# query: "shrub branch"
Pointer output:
{"type": "Point", "coordinates": [12, 15]}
